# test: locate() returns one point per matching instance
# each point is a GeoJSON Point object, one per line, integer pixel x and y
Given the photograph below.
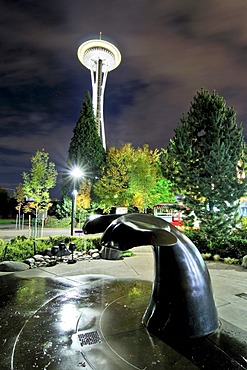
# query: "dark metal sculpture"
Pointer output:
{"type": "Point", "coordinates": [182, 300]}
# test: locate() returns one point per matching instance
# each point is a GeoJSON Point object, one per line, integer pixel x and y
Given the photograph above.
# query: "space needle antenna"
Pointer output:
{"type": "Point", "coordinates": [100, 57]}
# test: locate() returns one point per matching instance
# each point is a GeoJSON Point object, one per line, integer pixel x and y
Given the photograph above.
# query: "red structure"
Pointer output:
{"type": "Point", "coordinates": [170, 212]}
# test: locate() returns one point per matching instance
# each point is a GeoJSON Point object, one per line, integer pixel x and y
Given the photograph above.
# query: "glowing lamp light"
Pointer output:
{"type": "Point", "coordinates": [76, 172]}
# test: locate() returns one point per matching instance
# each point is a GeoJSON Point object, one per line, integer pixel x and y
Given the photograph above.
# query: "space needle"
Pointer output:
{"type": "Point", "coordinates": [100, 57]}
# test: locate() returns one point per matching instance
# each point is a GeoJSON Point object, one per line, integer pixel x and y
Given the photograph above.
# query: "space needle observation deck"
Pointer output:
{"type": "Point", "coordinates": [100, 57]}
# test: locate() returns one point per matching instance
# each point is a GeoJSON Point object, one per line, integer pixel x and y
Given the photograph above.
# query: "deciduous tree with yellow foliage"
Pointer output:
{"type": "Point", "coordinates": [130, 178]}
{"type": "Point", "coordinates": [37, 183]}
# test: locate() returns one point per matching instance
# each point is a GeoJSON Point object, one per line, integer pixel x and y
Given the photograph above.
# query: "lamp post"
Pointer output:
{"type": "Point", "coordinates": [76, 173]}
{"type": "Point", "coordinates": [74, 194]}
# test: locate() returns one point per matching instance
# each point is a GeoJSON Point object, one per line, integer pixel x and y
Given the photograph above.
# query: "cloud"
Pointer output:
{"type": "Point", "coordinates": [170, 49]}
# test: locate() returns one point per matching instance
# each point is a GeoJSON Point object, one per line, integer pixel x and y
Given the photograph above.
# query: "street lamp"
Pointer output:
{"type": "Point", "coordinates": [75, 173]}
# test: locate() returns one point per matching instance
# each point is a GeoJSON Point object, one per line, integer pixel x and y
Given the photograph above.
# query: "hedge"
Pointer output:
{"type": "Point", "coordinates": [20, 248]}
{"type": "Point", "coordinates": [234, 246]}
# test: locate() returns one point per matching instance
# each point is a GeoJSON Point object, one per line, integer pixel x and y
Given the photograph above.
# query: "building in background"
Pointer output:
{"type": "Point", "coordinates": [100, 57]}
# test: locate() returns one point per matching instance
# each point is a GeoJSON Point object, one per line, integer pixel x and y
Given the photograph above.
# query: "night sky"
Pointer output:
{"type": "Point", "coordinates": [170, 49]}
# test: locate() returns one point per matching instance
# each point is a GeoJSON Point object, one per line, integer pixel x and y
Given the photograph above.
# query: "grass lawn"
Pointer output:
{"type": "Point", "coordinates": [7, 221]}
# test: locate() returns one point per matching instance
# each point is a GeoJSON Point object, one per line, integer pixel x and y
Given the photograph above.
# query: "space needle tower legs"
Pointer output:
{"type": "Point", "coordinates": [100, 57]}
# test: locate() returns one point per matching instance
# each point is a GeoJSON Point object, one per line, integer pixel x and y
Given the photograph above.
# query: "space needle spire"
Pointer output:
{"type": "Point", "coordinates": [100, 57]}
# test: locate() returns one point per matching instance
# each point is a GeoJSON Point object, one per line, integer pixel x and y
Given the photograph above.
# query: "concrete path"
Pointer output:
{"type": "Point", "coordinates": [8, 232]}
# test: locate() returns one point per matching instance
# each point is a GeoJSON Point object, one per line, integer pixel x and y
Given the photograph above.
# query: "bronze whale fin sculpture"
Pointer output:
{"type": "Point", "coordinates": [182, 301]}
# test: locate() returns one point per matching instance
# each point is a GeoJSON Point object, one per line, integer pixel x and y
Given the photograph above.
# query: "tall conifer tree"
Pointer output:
{"type": "Point", "coordinates": [86, 149]}
{"type": "Point", "coordinates": [208, 153]}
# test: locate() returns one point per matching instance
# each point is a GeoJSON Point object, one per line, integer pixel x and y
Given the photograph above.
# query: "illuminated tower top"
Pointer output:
{"type": "Point", "coordinates": [100, 57]}
{"type": "Point", "coordinates": [93, 50]}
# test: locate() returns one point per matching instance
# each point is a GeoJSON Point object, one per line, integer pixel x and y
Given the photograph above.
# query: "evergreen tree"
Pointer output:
{"type": "Point", "coordinates": [86, 150]}
{"type": "Point", "coordinates": [208, 153]}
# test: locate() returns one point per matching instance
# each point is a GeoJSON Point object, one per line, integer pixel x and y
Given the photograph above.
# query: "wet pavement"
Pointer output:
{"type": "Point", "coordinates": [88, 315]}
{"type": "Point", "coordinates": [92, 322]}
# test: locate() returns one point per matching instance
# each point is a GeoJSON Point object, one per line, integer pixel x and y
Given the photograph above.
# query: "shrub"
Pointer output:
{"type": "Point", "coordinates": [216, 257]}
{"type": "Point", "coordinates": [2, 247]}
{"type": "Point", "coordinates": [199, 239]}
{"type": "Point", "coordinates": [83, 243]}
{"type": "Point", "coordinates": [20, 248]}
{"type": "Point", "coordinates": [127, 254]}
{"type": "Point", "coordinates": [244, 262]}
{"type": "Point", "coordinates": [231, 261]}
{"type": "Point", "coordinates": [54, 222]}
{"type": "Point", "coordinates": [206, 256]}
{"type": "Point", "coordinates": [234, 246]}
